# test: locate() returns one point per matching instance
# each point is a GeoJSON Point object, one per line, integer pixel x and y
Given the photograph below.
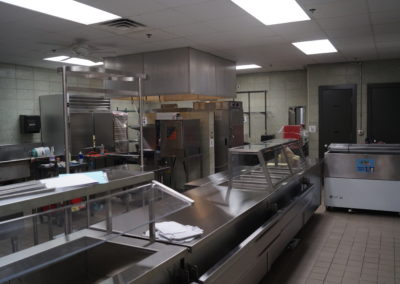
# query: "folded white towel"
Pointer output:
{"type": "Point", "coordinates": [173, 231]}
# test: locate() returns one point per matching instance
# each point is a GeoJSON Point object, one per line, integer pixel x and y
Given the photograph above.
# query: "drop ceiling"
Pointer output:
{"type": "Point", "coordinates": [359, 29]}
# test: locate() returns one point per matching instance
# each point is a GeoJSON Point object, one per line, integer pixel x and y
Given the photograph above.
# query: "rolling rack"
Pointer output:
{"type": "Point", "coordinates": [105, 75]}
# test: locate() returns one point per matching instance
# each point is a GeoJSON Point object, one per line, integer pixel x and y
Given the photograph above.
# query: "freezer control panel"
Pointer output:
{"type": "Point", "coordinates": [365, 165]}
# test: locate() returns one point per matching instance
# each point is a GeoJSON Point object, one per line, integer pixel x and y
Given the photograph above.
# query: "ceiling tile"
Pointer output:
{"type": "Point", "coordinates": [175, 3]}
{"type": "Point", "coordinates": [306, 30]}
{"type": "Point", "coordinates": [385, 17]}
{"type": "Point", "coordinates": [392, 28]}
{"type": "Point", "coordinates": [391, 37]}
{"type": "Point", "coordinates": [346, 32]}
{"type": "Point", "coordinates": [329, 9]}
{"type": "Point", "coordinates": [126, 8]}
{"type": "Point", "coordinates": [166, 18]}
{"type": "Point", "coordinates": [191, 29]}
{"type": "Point", "coordinates": [211, 10]}
{"type": "Point", "coordinates": [383, 5]}
{"type": "Point", "coordinates": [151, 35]}
{"type": "Point", "coordinates": [346, 22]}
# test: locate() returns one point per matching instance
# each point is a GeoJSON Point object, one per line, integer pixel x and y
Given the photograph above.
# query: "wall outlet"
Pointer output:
{"type": "Point", "coordinates": [360, 132]}
{"type": "Point", "coordinates": [312, 128]}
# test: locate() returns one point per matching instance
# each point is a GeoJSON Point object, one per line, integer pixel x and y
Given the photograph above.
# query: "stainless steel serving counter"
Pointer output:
{"type": "Point", "coordinates": [118, 176]}
{"type": "Point", "coordinates": [229, 216]}
{"type": "Point", "coordinates": [244, 229]}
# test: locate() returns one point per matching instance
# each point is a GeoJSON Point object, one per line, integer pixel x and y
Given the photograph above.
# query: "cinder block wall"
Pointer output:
{"type": "Point", "coordinates": [20, 89]}
{"type": "Point", "coordinates": [301, 88]}
{"type": "Point", "coordinates": [284, 89]}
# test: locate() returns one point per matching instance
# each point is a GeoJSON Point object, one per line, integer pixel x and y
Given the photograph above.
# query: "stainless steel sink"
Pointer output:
{"type": "Point", "coordinates": [94, 265]}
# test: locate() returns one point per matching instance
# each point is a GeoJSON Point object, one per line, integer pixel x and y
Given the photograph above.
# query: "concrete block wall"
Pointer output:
{"type": "Point", "coordinates": [20, 89]}
{"type": "Point", "coordinates": [292, 88]}
{"type": "Point", "coordinates": [384, 71]}
{"type": "Point", "coordinates": [284, 89]}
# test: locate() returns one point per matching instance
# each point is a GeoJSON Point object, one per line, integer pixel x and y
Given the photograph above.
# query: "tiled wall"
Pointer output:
{"type": "Point", "coordinates": [284, 89]}
{"type": "Point", "coordinates": [20, 89]}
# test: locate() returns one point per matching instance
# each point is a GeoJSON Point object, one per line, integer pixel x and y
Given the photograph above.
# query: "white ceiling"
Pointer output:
{"type": "Point", "coordinates": [359, 29]}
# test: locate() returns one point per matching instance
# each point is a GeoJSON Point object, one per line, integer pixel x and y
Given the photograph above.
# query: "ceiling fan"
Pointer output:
{"type": "Point", "coordinates": [78, 52]}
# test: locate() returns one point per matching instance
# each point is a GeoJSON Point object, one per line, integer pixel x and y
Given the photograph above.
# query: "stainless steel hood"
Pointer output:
{"type": "Point", "coordinates": [181, 71]}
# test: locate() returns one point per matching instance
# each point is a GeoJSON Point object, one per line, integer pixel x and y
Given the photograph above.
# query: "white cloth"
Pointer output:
{"type": "Point", "coordinates": [173, 231]}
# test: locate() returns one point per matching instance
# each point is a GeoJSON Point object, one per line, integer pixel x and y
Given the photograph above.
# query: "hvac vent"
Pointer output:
{"type": "Point", "coordinates": [122, 26]}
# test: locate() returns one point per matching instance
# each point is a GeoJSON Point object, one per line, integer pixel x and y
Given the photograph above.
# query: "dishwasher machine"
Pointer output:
{"type": "Point", "coordinates": [363, 176]}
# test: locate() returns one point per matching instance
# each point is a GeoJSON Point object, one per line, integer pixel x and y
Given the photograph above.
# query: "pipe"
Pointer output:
{"type": "Point", "coordinates": [66, 118]}
{"type": "Point", "coordinates": [141, 124]}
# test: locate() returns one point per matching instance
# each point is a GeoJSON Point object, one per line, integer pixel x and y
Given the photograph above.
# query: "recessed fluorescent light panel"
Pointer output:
{"type": "Point", "coordinates": [249, 66]}
{"type": "Point", "coordinates": [73, 60]}
{"type": "Point", "coordinates": [66, 9]}
{"type": "Point", "coordinates": [315, 46]}
{"type": "Point", "coordinates": [272, 12]}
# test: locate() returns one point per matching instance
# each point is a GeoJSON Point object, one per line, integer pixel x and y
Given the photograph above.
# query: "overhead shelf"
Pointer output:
{"type": "Point", "coordinates": [102, 73]}
{"type": "Point", "coordinates": [108, 92]}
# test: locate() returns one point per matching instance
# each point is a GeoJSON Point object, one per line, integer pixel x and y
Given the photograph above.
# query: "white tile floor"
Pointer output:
{"type": "Point", "coordinates": [342, 247]}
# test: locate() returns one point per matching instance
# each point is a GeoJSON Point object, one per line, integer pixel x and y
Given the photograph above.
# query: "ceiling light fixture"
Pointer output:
{"type": "Point", "coordinates": [272, 12]}
{"type": "Point", "coordinates": [73, 60]}
{"type": "Point", "coordinates": [248, 66]}
{"type": "Point", "coordinates": [66, 9]}
{"type": "Point", "coordinates": [315, 46]}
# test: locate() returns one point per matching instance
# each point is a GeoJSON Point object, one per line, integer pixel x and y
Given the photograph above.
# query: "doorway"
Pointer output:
{"type": "Point", "coordinates": [337, 115]}
{"type": "Point", "coordinates": [383, 117]}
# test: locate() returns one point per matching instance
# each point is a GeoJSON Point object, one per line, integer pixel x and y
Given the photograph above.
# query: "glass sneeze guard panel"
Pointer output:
{"type": "Point", "coordinates": [263, 166]}
{"type": "Point", "coordinates": [31, 242]}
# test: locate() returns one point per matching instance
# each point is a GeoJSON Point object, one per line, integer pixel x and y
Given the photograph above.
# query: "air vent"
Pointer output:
{"type": "Point", "coordinates": [122, 26]}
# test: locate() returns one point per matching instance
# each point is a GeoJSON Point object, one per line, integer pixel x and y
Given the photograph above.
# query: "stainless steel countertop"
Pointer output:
{"type": "Point", "coordinates": [215, 206]}
{"type": "Point", "coordinates": [162, 254]}
{"type": "Point", "coordinates": [118, 176]}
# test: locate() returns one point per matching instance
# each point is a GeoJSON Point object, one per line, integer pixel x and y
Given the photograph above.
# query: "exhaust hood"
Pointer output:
{"type": "Point", "coordinates": [179, 74]}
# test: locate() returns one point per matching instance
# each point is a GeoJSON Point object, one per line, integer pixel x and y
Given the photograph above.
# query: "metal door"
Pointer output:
{"type": "Point", "coordinates": [81, 131]}
{"type": "Point", "coordinates": [383, 114]}
{"type": "Point", "coordinates": [337, 115]}
{"type": "Point", "coordinates": [103, 129]}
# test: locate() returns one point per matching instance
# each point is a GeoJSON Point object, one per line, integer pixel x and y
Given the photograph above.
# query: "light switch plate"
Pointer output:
{"type": "Point", "coordinates": [312, 128]}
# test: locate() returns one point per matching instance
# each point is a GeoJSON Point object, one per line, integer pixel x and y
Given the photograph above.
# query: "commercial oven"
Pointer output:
{"type": "Point", "coordinates": [228, 127]}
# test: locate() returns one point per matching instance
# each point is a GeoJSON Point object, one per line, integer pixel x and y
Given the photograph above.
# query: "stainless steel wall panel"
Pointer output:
{"type": "Point", "coordinates": [51, 113]}
{"type": "Point", "coordinates": [202, 73]}
{"type": "Point", "coordinates": [225, 73]}
{"type": "Point", "coordinates": [168, 72]}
